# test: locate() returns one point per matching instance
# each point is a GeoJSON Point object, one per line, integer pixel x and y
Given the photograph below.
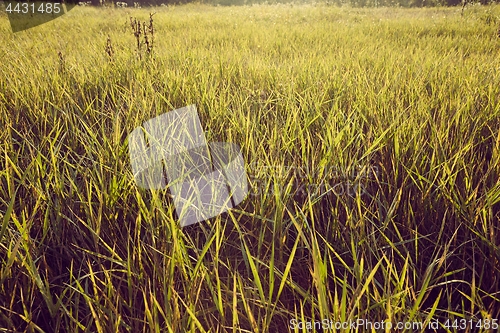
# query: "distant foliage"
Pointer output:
{"type": "Point", "coordinates": [352, 3]}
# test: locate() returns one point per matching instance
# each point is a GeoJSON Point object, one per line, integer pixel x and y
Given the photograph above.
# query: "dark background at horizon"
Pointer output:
{"type": "Point", "coordinates": [354, 3]}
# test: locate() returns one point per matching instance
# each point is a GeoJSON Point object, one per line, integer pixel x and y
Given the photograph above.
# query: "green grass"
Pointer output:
{"type": "Point", "coordinates": [401, 106]}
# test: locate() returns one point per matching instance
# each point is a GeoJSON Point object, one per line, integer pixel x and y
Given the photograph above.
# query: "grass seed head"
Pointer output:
{"type": "Point", "coordinates": [109, 49]}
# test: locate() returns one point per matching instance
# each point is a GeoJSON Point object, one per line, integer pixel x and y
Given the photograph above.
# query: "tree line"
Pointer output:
{"type": "Point", "coordinates": [355, 3]}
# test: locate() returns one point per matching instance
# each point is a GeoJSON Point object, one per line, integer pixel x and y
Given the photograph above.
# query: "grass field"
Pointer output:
{"type": "Point", "coordinates": [372, 144]}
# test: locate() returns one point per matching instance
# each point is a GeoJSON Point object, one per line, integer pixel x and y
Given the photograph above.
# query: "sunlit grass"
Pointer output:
{"type": "Point", "coordinates": [372, 143]}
